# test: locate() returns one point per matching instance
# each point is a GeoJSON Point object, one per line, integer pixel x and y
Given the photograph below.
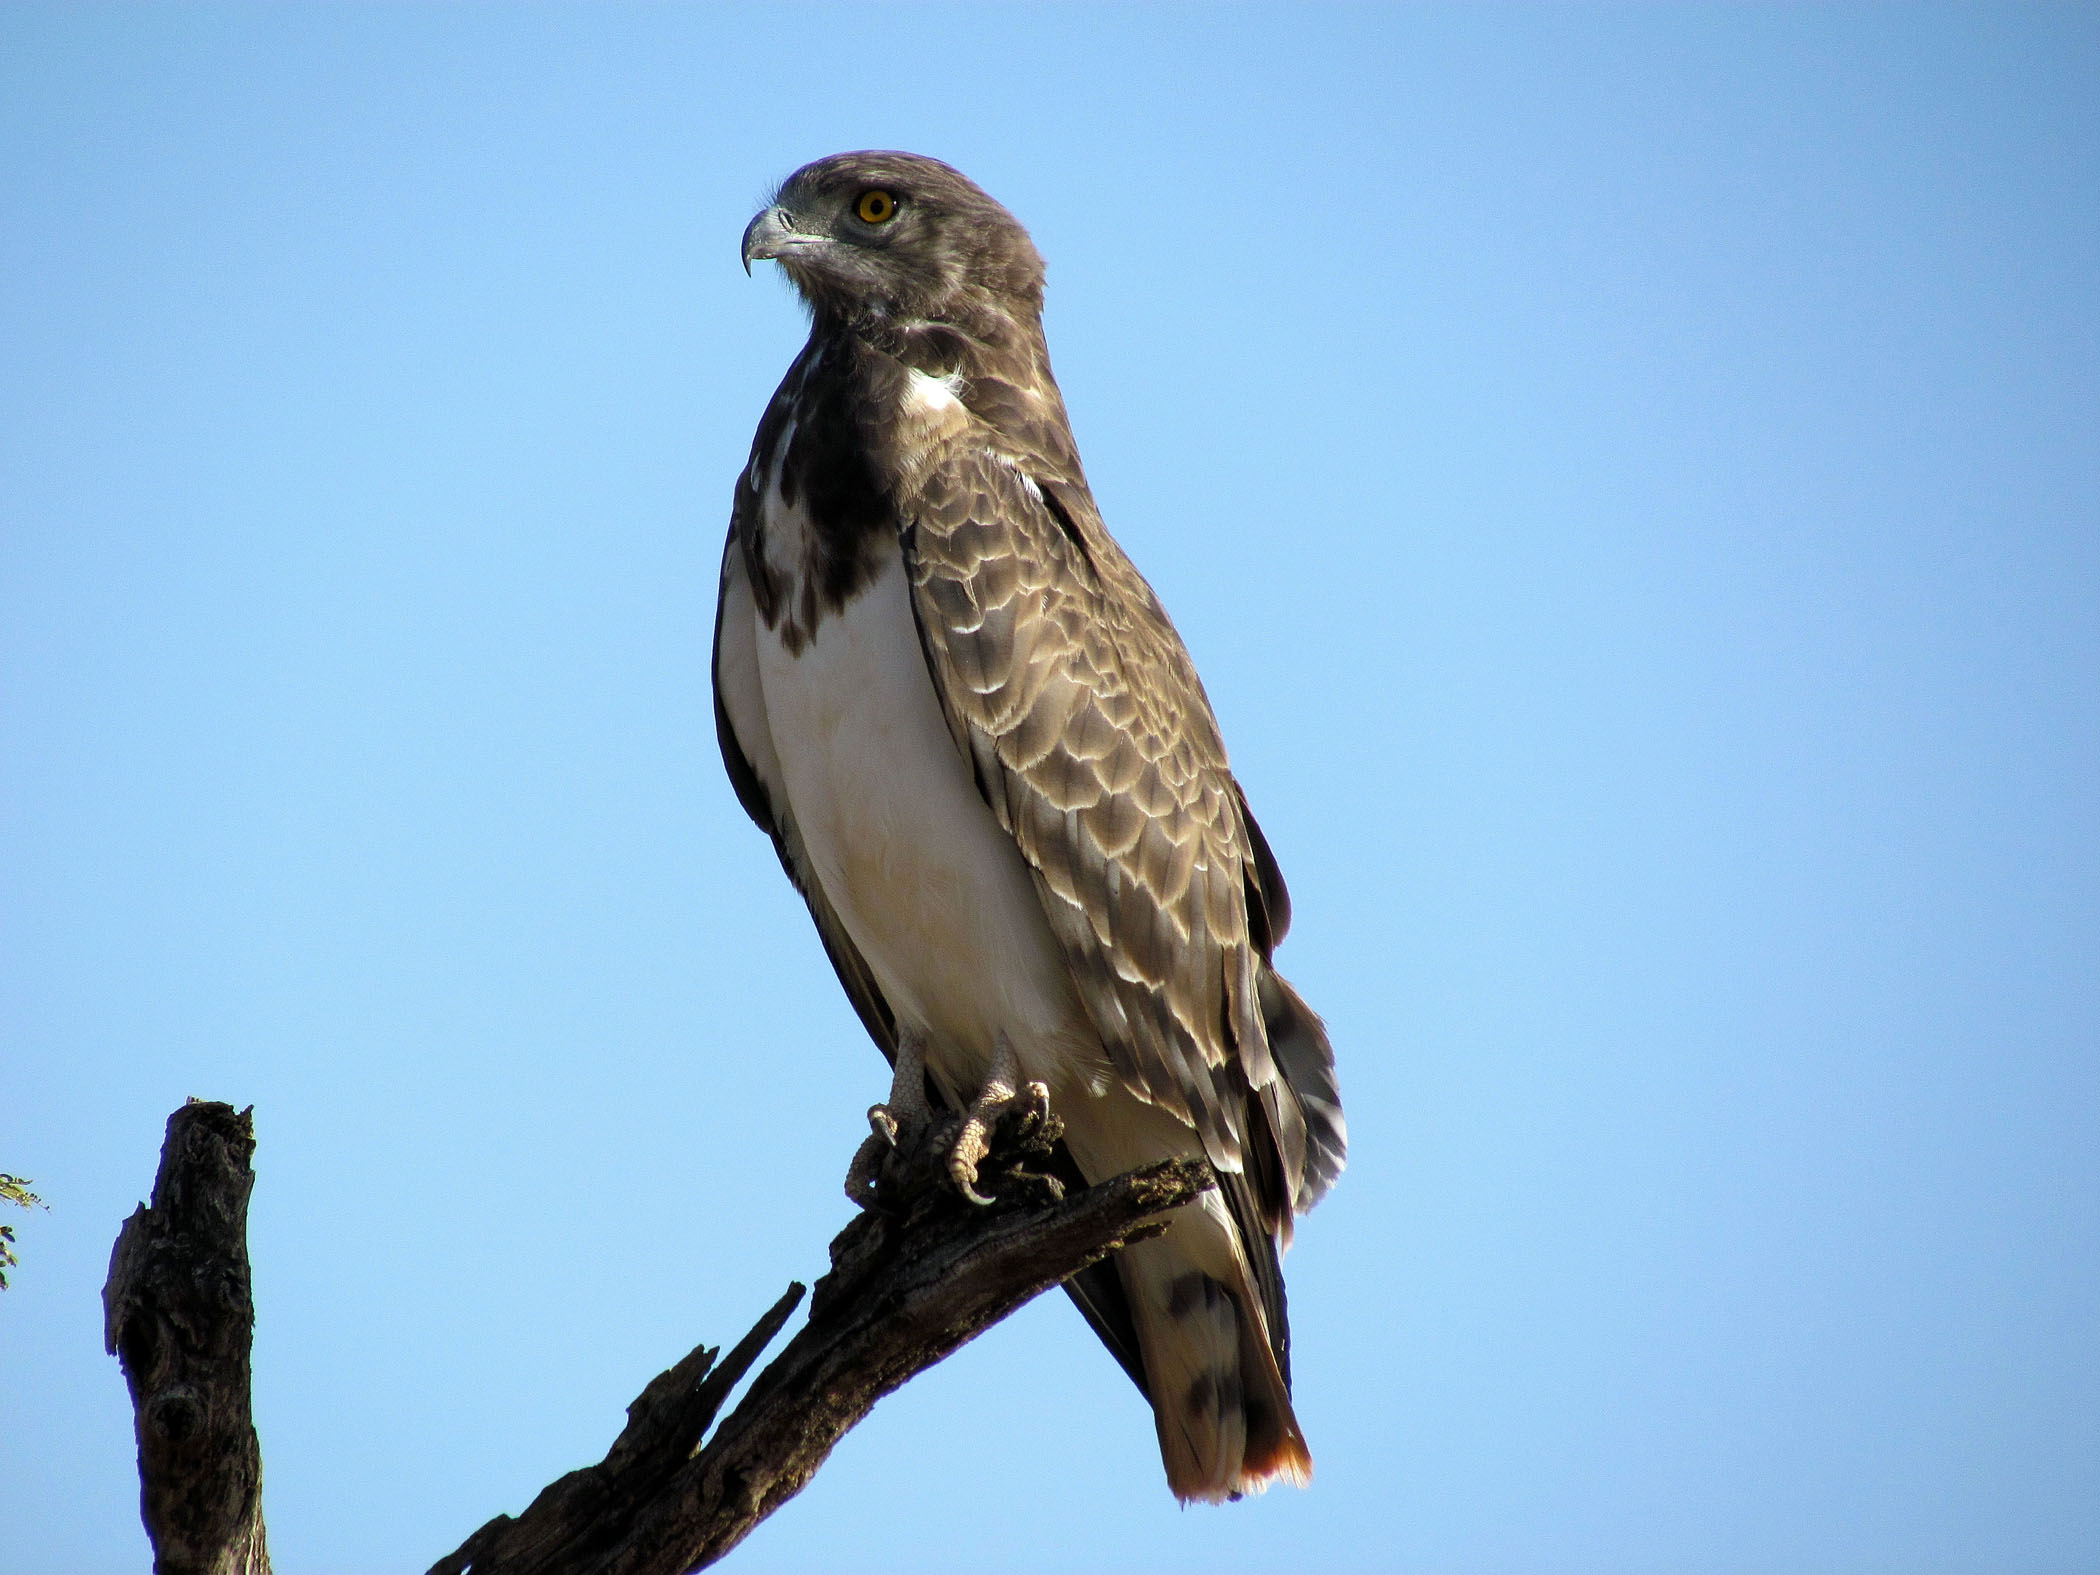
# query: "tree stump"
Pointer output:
{"type": "Point", "coordinates": [179, 1315]}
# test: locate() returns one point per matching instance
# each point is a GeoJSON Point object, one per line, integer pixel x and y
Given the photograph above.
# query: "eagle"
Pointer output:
{"type": "Point", "coordinates": [987, 764]}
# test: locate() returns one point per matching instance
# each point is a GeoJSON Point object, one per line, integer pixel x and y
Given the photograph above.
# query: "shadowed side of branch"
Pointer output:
{"type": "Point", "coordinates": [909, 1284]}
{"type": "Point", "coordinates": [578, 1521]}
{"type": "Point", "coordinates": [179, 1315]}
{"type": "Point", "coordinates": [947, 1282]}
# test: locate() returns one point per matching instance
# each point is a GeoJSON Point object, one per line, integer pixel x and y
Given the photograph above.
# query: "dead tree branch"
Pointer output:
{"type": "Point", "coordinates": [178, 1313]}
{"type": "Point", "coordinates": [909, 1284]}
{"type": "Point", "coordinates": [911, 1281]}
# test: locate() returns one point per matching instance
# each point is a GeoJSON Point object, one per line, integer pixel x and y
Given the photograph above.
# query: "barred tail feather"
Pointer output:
{"type": "Point", "coordinates": [1219, 1399]}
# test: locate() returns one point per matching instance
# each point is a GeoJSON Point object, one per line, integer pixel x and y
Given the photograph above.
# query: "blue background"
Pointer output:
{"type": "Point", "coordinates": [1631, 480]}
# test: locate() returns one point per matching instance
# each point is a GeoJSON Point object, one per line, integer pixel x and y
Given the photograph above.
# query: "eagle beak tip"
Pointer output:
{"type": "Point", "coordinates": [764, 234]}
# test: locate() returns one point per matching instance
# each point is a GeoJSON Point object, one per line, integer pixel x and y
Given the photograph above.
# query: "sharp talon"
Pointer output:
{"type": "Point", "coordinates": [964, 1152]}
{"type": "Point", "coordinates": [962, 1164]}
{"type": "Point", "coordinates": [901, 1123]}
{"type": "Point", "coordinates": [902, 1117]}
{"type": "Point", "coordinates": [1003, 1092]}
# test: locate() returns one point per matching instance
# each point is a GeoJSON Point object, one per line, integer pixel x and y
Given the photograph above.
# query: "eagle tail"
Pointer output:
{"type": "Point", "coordinates": [1219, 1398]}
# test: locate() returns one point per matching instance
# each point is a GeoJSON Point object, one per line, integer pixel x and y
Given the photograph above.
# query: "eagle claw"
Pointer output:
{"type": "Point", "coordinates": [1003, 1092]}
{"type": "Point", "coordinates": [903, 1117]}
{"type": "Point", "coordinates": [897, 1129]}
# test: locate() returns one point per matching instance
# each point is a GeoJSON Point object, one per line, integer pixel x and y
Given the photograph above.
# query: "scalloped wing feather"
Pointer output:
{"type": "Point", "coordinates": [1068, 689]}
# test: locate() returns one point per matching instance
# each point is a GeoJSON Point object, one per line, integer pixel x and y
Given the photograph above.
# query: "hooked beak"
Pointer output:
{"type": "Point", "coordinates": [772, 233]}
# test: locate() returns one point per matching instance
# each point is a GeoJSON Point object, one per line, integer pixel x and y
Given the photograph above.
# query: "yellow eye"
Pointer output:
{"type": "Point", "coordinates": [876, 206]}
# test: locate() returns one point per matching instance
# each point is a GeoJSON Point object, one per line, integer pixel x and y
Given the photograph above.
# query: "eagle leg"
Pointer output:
{"type": "Point", "coordinates": [905, 1116]}
{"type": "Point", "coordinates": [1003, 1091]}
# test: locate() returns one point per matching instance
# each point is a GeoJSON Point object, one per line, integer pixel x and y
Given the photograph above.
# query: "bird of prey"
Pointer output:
{"type": "Point", "coordinates": [987, 764]}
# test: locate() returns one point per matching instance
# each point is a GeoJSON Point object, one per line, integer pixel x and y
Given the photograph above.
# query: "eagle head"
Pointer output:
{"type": "Point", "coordinates": [900, 236]}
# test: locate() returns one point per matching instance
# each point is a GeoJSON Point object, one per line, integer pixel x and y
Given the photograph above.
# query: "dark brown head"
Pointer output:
{"type": "Point", "coordinates": [894, 235]}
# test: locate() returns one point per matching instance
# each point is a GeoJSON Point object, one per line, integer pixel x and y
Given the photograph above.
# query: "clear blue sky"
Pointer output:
{"type": "Point", "coordinates": [1631, 481]}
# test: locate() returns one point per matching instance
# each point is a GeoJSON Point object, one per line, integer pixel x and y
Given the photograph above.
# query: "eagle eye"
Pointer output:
{"type": "Point", "coordinates": [875, 206]}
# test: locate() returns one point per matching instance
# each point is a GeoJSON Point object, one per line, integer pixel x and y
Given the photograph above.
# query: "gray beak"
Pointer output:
{"type": "Point", "coordinates": [768, 235]}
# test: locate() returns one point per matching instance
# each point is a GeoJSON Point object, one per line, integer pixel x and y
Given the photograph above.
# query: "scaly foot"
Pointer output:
{"type": "Point", "coordinates": [1002, 1091]}
{"type": "Point", "coordinates": [903, 1118]}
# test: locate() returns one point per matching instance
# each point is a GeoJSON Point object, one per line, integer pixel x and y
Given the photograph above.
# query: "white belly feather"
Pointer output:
{"type": "Point", "coordinates": [930, 887]}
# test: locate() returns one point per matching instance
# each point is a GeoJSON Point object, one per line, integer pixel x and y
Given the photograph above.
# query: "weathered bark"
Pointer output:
{"type": "Point", "coordinates": [179, 1314]}
{"type": "Point", "coordinates": [911, 1280]}
{"type": "Point", "coordinates": [908, 1285]}
{"type": "Point", "coordinates": [578, 1520]}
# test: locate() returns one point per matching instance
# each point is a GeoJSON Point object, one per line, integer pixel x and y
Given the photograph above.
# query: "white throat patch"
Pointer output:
{"type": "Point", "coordinates": [933, 396]}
